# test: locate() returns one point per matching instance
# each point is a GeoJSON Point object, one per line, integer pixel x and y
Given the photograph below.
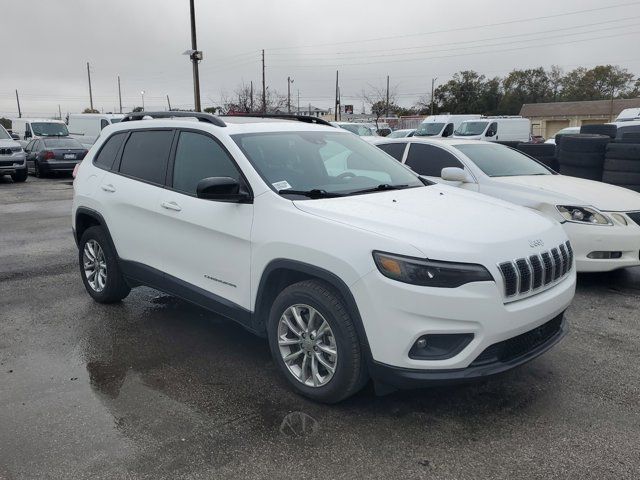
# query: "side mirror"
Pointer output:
{"type": "Point", "coordinates": [15, 136]}
{"type": "Point", "coordinates": [455, 174]}
{"type": "Point", "coordinates": [222, 189]}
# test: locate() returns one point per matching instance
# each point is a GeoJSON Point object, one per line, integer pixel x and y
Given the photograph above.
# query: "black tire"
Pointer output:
{"type": "Point", "coordinates": [350, 373]}
{"type": "Point", "coordinates": [584, 143]}
{"type": "Point", "coordinates": [621, 178]}
{"type": "Point", "coordinates": [508, 143]}
{"type": "Point", "coordinates": [537, 150]}
{"type": "Point", "coordinates": [20, 176]}
{"type": "Point", "coordinates": [586, 173]}
{"type": "Point", "coordinates": [116, 287]}
{"type": "Point", "coordinates": [36, 170]}
{"type": "Point", "coordinates": [606, 129]}
{"type": "Point", "coordinates": [551, 162]}
{"type": "Point", "coordinates": [623, 151]}
{"type": "Point", "coordinates": [621, 165]}
{"type": "Point", "coordinates": [581, 159]}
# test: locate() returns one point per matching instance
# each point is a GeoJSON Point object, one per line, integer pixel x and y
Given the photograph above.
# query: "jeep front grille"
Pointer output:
{"type": "Point", "coordinates": [536, 272]}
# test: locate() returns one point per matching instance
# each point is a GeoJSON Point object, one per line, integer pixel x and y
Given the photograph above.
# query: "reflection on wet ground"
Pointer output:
{"type": "Point", "coordinates": [157, 388]}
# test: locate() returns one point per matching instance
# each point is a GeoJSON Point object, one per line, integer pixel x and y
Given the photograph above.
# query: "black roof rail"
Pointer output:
{"type": "Point", "coordinates": [202, 117]}
{"type": "Point", "coordinates": [283, 116]}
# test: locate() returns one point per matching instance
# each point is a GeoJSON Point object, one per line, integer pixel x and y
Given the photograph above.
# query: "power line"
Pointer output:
{"type": "Point", "coordinates": [458, 29]}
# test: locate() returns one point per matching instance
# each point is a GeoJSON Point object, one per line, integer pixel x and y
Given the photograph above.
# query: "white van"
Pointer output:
{"type": "Point", "coordinates": [496, 129]}
{"type": "Point", "coordinates": [441, 125]}
{"type": "Point", "coordinates": [86, 127]}
{"type": "Point", "coordinates": [628, 114]}
{"type": "Point", "coordinates": [29, 128]}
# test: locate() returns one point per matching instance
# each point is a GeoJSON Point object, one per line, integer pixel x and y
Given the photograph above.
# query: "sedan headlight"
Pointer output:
{"type": "Point", "coordinates": [583, 215]}
{"type": "Point", "coordinates": [429, 273]}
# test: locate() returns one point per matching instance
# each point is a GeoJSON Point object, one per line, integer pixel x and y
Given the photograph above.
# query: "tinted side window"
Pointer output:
{"type": "Point", "coordinates": [146, 154]}
{"type": "Point", "coordinates": [197, 157]}
{"type": "Point", "coordinates": [396, 150]}
{"type": "Point", "coordinates": [429, 160]}
{"type": "Point", "coordinates": [107, 154]}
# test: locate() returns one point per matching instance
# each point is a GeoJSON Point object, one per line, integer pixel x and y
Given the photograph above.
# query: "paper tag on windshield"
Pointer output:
{"type": "Point", "coordinates": [283, 185]}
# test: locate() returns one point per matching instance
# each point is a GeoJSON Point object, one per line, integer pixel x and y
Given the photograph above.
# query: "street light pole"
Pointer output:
{"type": "Point", "coordinates": [196, 56]}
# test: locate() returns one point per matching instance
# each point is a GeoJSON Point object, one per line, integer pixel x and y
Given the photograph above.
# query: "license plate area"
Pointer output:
{"type": "Point", "coordinates": [69, 156]}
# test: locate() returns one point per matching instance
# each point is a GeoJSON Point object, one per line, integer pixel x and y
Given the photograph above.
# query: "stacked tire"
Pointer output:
{"type": "Point", "coordinates": [608, 129]}
{"type": "Point", "coordinates": [583, 155]}
{"type": "Point", "coordinates": [545, 153]}
{"type": "Point", "coordinates": [622, 165]}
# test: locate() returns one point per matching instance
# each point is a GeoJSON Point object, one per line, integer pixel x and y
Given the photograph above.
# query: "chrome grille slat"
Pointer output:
{"type": "Point", "coordinates": [536, 272]}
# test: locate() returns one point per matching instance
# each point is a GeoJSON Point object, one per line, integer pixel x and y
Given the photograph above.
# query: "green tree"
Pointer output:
{"type": "Point", "coordinates": [598, 83]}
{"type": "Point", "coordinates": [468, 92]}
{"type": "Point", "coordinates": [524, 86]}
{"type": "Point", "coordinates": [90, 110]}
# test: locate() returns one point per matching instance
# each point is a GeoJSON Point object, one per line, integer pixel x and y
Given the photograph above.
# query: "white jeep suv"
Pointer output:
{"type": "Point", "coordinates": [350, 264]}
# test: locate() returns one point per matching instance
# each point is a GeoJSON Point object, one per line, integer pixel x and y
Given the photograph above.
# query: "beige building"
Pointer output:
{"type": "Point", "coordinates": [548, 118]}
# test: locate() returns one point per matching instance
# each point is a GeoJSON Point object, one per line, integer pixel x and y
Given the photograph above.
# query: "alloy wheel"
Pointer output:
{"type": "Point", "coordinates": [94, 265]}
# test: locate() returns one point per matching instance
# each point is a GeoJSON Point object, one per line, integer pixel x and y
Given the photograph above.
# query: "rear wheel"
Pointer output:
{"type": "Point", "coordinates": [36, 170]}
{"type": "Point", "coordinates": [314, 342]}
{"type": "Point", "coordinates": [99, 267]}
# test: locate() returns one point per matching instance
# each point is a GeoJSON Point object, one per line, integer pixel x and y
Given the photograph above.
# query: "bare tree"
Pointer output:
{"type": "Point", "coordinates": [240, 101]}
{"type": "Point", "coordinates": [377, 100]}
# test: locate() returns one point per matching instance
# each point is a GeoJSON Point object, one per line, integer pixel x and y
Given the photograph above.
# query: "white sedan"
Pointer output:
{"type": "Point", "coordinates": [601, 220]}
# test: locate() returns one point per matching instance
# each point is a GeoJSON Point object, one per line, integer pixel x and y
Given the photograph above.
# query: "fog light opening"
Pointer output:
{"type": "Point", "coordinates": [604, 255]}
{"type": "Point", "coordinates": [439, 346]}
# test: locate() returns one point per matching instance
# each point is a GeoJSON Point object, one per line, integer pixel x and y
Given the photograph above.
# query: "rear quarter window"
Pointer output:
{"type": "Point", "coordinates": [107, 154]}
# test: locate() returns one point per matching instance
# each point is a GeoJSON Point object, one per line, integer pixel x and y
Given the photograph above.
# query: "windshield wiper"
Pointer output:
{"type": "Point", "coordinates": [380, 188]}
{"type": "Point", "coordinates": [314, 193]}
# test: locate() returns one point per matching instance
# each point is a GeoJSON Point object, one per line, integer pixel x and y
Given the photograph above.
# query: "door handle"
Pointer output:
{"type": "Point", "coordinates": [108, 188]}
{"type": "Point", "coordinates": [171, 206]}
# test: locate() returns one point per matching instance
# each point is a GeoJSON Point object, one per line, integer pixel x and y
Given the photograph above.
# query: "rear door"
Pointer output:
{"type": "Point", "coordinates": [130, 195]}
{"type": "Point", "coordinates": [205, 243]}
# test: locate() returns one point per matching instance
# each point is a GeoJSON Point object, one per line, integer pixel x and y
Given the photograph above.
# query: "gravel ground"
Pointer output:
{"type": "Point", "coordinates": [157, 388]}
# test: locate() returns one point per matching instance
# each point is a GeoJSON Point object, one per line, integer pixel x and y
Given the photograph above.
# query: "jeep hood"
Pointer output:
{"type": "Point", "coordinates": [559, 189]}
{"type": "Point", "coordinates": [441, 218]}
{"type": "Point", "coordinates": [8, 143]}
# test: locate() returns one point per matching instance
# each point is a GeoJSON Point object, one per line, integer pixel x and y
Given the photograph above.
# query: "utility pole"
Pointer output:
{"type": "Point", "coordinates": [169, 102]}
{"type": "Point", "coordinates": [18, 100]}
{"type": "Point", "coordinates": [387, 105]}
{"type": "Point", "coordinates": [298, 108]}
{"type": "Point", "coordinates": [196, 56]}
{"type": "Point", "coordinates": [289, 82]}
{"type": "Point", "coordinates": [264, 87]}
{"type": "Point", "coordinates": [59, 112]}
{"type": "Point", "coordinates": [251, 97]}
{"type": "Point", "coordinates": [90, 92]}
{"type": "Point", "coordinates": [433, 84]}
{"type": "Point", "coordinates": [337, 105]}
{"type": "Point", "coordinates": [119, 94]}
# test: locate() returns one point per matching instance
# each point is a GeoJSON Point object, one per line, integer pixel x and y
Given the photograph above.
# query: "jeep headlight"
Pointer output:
{"type": "Point", "coordinates": [429, 273]}
{"type": "Point", "coordinates": [583, 215]}
{"type": "Point", "coordinates": [16, 149]}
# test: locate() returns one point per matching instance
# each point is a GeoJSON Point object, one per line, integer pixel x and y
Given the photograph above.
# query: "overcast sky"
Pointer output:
{"type": "Point", "coordinates": [48, 42]}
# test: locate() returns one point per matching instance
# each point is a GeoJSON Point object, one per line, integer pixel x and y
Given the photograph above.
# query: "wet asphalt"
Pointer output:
{"type": "Point", "coordinates": [157, 388]}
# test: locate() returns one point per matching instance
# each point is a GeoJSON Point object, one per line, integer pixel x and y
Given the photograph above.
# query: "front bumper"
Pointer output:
{"type": "Point", "coordinates": [604, 238]}
{"type": "Point", "coordinates": [12, 163]}
{"type": "Point", "coordinates": [395, 315]}
{"type": "Point", "coordinates": [496, 359]}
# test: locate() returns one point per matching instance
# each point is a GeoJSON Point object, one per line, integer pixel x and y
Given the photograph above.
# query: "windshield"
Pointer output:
{"type": "Point", "coordinates": [500, 161]}
{"type": "Point", "coordinates": [3, 134]}
{"type": "Point", "coordinates": [471, 128]}
{"type": "Point", "coordinates": [115, 120]}
{"type": "Point", "coordinates": [49, 129]}
{"type": "Point", "coordinates": [360, 130]}
{"type": "Point", "coordinates": [62, 143]}
{"type": "Point", "coordinates": [429, 129]}
{"type": "Point", "coordinates": [399, 134]}
{"type": "Point", "coordinates": [329, 162]}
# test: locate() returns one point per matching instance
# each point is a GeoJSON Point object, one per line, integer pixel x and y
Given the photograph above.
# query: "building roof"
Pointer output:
{"type": "Point", "coordinates": [600, 108]}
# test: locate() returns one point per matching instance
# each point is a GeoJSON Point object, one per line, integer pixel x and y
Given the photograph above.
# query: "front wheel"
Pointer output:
{"type": "Point", "coordinates": [19, 176]}
{"type": "Point", "coordinates": [314, 342]}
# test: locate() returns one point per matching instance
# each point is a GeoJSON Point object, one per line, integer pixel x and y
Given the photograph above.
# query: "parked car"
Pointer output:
{"type": "Point", "coordinates": [442, 125]}
{"type": "Point", "coordinates": [564, 131]}
{"type": "Point", "coordinates": [31, 128]}
{"type": "Point", "coordinates": [405, 132]}
{"type": "Point", "coordinates": [12, 158]}
{"type": "Point", "coordinates": [601, 220]}
{"type": "Point", "coordinates": [365, 130]}
{"type": "Point", "coordinates": [53, 155]}
{"type": "Point", "coordinates": [628, 114]}
{"type": "Point", "coordinates": [86, 127]}
{"type": "Point", "coordinates": [495, 129]}
{"type": "Point", "coordinates": [350, 264]}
